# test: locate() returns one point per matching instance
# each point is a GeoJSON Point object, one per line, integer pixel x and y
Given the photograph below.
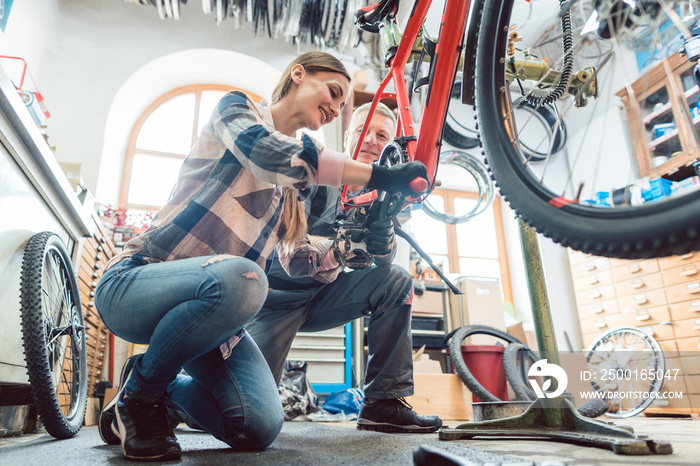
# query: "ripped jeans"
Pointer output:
{"type": "Point", "coordinates": [184, 310]}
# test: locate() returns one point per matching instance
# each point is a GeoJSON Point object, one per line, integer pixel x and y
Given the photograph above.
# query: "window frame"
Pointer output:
{"type": "Point", "coordinates": [131, 149]}
{"type": "Point", "coordinates": [449, 196]}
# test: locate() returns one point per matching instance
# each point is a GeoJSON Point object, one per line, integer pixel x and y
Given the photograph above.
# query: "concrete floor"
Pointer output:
{"type": "Point", "coordinates": [306, 443]}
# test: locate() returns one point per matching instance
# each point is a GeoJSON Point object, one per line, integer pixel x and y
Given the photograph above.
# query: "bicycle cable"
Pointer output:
{"type": "Point", "coordinates": [568, 46]}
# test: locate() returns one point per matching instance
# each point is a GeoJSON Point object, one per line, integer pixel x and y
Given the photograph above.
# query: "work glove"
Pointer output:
{"type": "Point", "coordinates": [395, 179]}
{"type": "Point", "coordinates": [380, 237]}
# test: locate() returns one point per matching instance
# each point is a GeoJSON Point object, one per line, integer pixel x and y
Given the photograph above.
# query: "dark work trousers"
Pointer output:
{"type": "Point", "coordinates": [382, 292]}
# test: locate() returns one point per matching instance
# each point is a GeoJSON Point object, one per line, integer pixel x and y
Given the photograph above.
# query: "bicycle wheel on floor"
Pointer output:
{"type": "Point", "coordinates": [53, 335]}
{"type": "Point", "coordinates": [599, 193]}
{"type": "Point", "coordinates": [626, 361]}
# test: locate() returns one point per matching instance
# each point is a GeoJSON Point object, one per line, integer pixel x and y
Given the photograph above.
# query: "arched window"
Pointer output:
{"type": "Point", "coordinates": [161, 139]}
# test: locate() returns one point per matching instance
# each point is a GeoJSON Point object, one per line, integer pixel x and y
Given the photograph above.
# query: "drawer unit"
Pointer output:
{"type": "Point", "coordinates": [627, 270]}
{"type": "Point", "coordinates": [591, 265]}
{"type": "Point", "coordinates": [687, 328]}
{"type": "Point", "coordinates": [683, 274]}
{"type": "Point", "coordinates": [688, 344]}
{"type": "Point", "coordinates": [645, 300]}
{"type": "Point", "coordinates": [594, 295]}
{"type": "Point", "coordinates": [685, 310]}
{"type": "Point", "coordinates": [593, 280]}
{"type": "Point", "coordinates": [660, 297]}
{"type": "Point", "coordinates": [638, 285]}
{"type": "Point", "coordinates": [95, 253]}
{"type": "Point", "coordinates": [645, 317]}
{"type": "Point", "coordinates": [600, 324]}
{"type": "Point", "coordinates": [677, 261]}
{"type": "Point", "coordinates": [683, 292]}
{"type": "Point", "coordinates": [601, 309]}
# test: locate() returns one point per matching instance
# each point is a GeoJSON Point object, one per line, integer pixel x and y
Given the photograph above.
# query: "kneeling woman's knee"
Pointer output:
{"type": "Point", "coordinates": [262, 426]}
{"type": "Point", "coordinates": [238, 284]}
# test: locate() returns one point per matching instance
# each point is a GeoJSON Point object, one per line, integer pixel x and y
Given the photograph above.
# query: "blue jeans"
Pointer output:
{"type": "Point", "coordinates": [380, 292]}
{"type": "Point", "coordinates": [184, 310]}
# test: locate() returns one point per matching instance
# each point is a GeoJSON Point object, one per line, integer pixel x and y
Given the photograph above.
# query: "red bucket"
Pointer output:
{"type": "Point", "coordinates": [485, 362]}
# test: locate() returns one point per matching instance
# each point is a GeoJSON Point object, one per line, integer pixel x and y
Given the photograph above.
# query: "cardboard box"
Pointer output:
{"type": "Point", "coordinates": [429, 303]}
{"type": "Point", "coordinates": [442, 395]}
{"type": "Point", "coordinates": [481, 304]}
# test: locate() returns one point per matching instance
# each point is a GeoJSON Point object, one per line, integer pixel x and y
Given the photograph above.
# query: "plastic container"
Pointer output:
{"type": "Point", "coordinates": [658, 188]}
{"type": "Point", "coordinates": [485, 362]}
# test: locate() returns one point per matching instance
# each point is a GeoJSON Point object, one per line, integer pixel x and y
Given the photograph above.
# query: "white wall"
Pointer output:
{"type": "Point", "coordinates": [26, 34]}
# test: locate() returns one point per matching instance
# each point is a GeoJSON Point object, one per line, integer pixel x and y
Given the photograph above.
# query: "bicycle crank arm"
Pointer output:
{"type": "Point", "coordinates": [424, 255]}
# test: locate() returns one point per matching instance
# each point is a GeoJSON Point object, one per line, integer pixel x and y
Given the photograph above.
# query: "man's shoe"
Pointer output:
{"type": "Point", "coordinates": [145, 431]}
{"type": "Point", "coordinates": [106, 423]}
{"type": "Point", "coordinates": [395, 415]}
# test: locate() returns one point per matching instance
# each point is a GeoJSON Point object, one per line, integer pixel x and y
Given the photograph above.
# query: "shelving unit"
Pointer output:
{"type": "Point", "coordinates": [328, 355]}
{"type": "Point", "coordinates": [666, 95]}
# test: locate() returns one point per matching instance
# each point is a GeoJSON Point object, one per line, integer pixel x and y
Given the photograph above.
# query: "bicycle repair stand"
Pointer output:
{"type": "Point", "coordinates": [554, 418]}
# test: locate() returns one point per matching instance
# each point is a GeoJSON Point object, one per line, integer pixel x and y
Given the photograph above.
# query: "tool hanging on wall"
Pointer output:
{"type": "Point", "coordinates": [319, 23]}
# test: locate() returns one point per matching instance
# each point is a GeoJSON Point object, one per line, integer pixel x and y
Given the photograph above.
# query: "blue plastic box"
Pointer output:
{"type": "Point", "coordinates": [659, 188]}
{"type": "Point", "coordinates": [659, 130]}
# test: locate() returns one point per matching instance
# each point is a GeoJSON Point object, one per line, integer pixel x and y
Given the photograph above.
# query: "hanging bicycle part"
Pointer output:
{"type": "Point", "coordinates": [460, 127]}
{"type": "Point", "coordinates": [483, 186]}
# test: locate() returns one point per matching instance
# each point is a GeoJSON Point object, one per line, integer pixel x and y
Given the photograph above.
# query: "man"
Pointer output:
{"type": "Point", "coordinates": [383, 291]}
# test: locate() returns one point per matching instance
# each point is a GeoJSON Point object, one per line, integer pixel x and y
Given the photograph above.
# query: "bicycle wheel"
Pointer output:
{"type": "Point", "coordinates": [53, 335]}
{"type": "Point", "coordinates": [455, 339]}
{"type": "Point", "coordinates": [516, 357]}
{"type": "Point", "coordinates": [599, 197]}
{"type": "Point", "coordinates": [626, 361]}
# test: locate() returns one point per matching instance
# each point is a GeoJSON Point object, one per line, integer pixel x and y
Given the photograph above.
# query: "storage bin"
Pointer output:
{"type": "Point", "coordinates": [658, 188]}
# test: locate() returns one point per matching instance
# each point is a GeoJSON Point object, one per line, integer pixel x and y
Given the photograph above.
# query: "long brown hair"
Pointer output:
{"type": "Point", "coordinates": [293, 224]}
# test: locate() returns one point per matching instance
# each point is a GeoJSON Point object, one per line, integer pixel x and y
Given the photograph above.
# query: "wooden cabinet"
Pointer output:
{"type": "Point", "coordinates": [663, 114]}
{"type": "Point", "coordinates": [96, 251]}
{"type": "Point", "coordinates": [661, 297]}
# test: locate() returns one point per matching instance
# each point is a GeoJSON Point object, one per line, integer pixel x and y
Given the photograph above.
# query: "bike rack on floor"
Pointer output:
{"type": "Point", "coordinates": [554, 418]}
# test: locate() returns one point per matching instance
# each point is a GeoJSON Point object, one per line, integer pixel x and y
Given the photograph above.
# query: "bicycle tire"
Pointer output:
{"type": "Point", "coordinates": [517, 379]}
{"type": "Point", "coordinates": [669, 226]}
{"type": "Point", "coordinates": [615, 343]}
{"type": "Point", "coordinates": [53, 335]}
{"type": "Point", "coordinates": [455, 339]}
{"type": "Point", "coordinates": [454, 130]}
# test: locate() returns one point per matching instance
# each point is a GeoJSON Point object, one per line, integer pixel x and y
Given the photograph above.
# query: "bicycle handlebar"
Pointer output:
{"type": "Point", "coordinates": [418, 185]}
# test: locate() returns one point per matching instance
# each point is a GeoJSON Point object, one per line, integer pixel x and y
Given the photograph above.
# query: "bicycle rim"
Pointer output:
{"type": "Point", "coordinates": [563, 195]}
{"type": "Point", "coordinates": [618, 353]}
{"type": "Point", "coordinates": [53, 335]}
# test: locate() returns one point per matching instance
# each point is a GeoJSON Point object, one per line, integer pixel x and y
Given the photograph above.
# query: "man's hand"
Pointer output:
{"type": "Point", "coordinates": [396, 178]}
{"type": "Point", "coordinates": [380, 237]}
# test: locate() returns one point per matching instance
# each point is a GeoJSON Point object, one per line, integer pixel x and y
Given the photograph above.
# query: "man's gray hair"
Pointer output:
{"type": "Point", "coordinates": [381, 109]}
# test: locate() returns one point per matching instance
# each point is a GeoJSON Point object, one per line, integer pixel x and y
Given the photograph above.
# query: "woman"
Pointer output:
{"type": "Point", "coordinates": [189, 283]}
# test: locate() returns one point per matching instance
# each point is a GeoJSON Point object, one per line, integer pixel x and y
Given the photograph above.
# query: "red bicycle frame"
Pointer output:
{"type": "Point", "coordinates": [426, 148]}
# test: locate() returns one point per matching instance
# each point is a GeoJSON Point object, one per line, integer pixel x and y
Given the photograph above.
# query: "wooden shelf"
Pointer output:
{"type": "Point", "coordinates": [666, 107]}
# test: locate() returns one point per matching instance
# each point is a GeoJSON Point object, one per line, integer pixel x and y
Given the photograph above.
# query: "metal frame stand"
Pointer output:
{"type": "Point", "coordinates": [554, 418]}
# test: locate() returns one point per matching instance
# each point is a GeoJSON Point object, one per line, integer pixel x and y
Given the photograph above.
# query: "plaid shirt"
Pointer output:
{"type": "Point", "coordinates": [227, 199]}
